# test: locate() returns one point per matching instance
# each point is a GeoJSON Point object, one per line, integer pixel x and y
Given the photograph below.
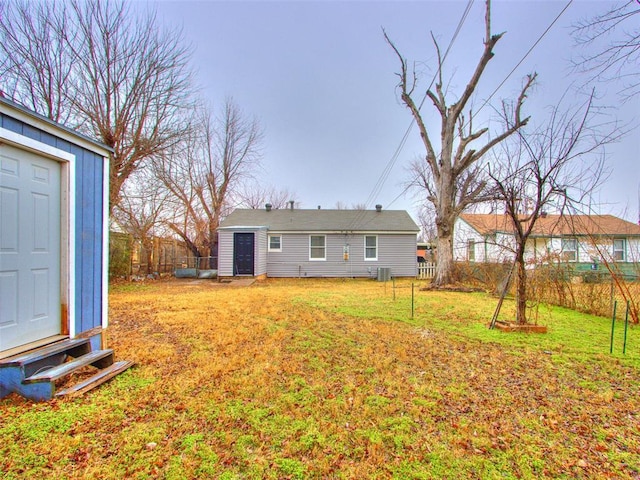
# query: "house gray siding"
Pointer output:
{"type": "Point", "coordinates": [225, 253]}
{"type": "Point", "coordinates": [395, 251]}
{"type": "Point", "coordinates": [261, 258]}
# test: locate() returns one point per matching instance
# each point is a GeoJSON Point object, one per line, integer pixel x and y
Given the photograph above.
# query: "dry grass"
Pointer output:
{"type": "Point", "coordinates": [331, 379]}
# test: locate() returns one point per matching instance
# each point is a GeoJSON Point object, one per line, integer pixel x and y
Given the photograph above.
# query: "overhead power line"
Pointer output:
{"type": "Point", "coordinates": [519, 63]}
{"type": "Point", "coordinates": [394, 158]}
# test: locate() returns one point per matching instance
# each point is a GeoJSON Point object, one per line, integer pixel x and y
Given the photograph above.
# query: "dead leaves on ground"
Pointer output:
{"type": "Point", "coordinates": [272, 381]}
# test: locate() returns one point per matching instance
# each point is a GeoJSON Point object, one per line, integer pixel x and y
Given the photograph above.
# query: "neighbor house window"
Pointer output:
{"type": "Point", "coordinates": [619, 249]}
{"type": "Point", "coordinates": [275, 243]}
{"type": "Point", "coordinates": [471, 250]}
{"type": "Point", "coordinates": [370, 247]}
{"type": "Point", "coordinates": [317, 247]}
{"type": "Point", "coordinates": [569, 249]}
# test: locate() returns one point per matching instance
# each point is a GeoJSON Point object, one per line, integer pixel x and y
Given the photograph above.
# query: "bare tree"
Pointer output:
{"type": "Point", "coordinates": [354, 206]}
{"type": "Point", "coordinates": [205, 169]}
{"type": "Point", "coordinates": [551, 168]}
{"type": "Point", "coordinates": [610, 43]}
{"type": "Point", "coordinates": [102, 68]}
{"type": "Point", "coordinates": [256, 196]}
{"type": "Point", "coordinates": [427, 227]}
{"type": "Point", "coordinates": [132, 83]}
{"type": "Point", "coordinates": [35, 62]}
{"type": "Point", "coordinates": [452, 178]}
{"type": "Point", "coordinates": [619, 279]}
{"type": "Point", "coordinates": [142, 211]}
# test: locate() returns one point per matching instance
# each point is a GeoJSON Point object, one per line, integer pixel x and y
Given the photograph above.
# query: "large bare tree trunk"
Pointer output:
{"type": "Point", "coordinates": [444, 265]}
{"type": "Point", "coordinates": [452, 178]}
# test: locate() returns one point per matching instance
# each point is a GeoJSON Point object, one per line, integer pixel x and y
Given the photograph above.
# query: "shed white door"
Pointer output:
{"type": "Point", "coordinates": [29, 247]}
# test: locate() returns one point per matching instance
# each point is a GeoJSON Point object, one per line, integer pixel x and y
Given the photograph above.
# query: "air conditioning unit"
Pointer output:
{"type": "Point", "coordinates": [384, 274]}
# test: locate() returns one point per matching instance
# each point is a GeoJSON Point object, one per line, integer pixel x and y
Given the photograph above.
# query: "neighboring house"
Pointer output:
{"type": "Point", "coordinates": [53, 253]}
{"type": "Point", "coordinates": [317, 243]}
{"type": "Point", "coordinates": [582, 240]}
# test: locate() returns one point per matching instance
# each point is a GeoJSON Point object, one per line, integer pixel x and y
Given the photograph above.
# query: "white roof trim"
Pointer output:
{"type": "Point", "coordinates": [34, 146]}
{"type": "Point", "coordinates": [245, 227]}
{"type": "Point", "coordinates": [342, 232]}
{"type": "Point", "coordinates": [38, 121]}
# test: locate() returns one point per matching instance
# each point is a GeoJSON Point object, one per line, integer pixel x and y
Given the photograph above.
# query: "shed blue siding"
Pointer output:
{"type": "Point", "coordinates": [89, 224]}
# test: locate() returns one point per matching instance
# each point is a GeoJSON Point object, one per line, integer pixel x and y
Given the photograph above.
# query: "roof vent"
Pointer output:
{"type": "Point", "coordinates": [292, 203]}
{"type": "Point", "coordinates": [378, 208]}
{"type": "Point", "coordinates": [319, 207]}
{"type": "Point", "coordinates": [268, 207]}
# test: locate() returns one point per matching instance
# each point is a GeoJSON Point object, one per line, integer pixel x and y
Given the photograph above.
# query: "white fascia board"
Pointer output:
{"type": "Point", "coordinates": [12, 138]}
{"type": "Point", "coordinates": [467, 224]}
{"type": "Point", "coordinates": [342, 232]}
{"type": "Point", "coordinates": [105, 243]}
{"type": "Point", "coordinates": [244, 227]}
{"type": "Point", "coordinates": [68, 162]}
{"type": "Point", "coordinates": [71, 274]}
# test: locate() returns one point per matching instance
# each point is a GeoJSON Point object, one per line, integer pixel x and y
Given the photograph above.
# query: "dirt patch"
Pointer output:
{"type": "Point", "coordinates": [526, 328]}
{"type": "Point", "coordinates": [451, 288]}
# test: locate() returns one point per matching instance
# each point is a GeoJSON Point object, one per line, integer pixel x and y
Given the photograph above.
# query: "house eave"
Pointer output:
{"type": "Point", "coordinates": [244, 227]}
{"type": "Point", "coordinates": [47, 125]}
{"type": "Point", "coordinates": [347, 232]}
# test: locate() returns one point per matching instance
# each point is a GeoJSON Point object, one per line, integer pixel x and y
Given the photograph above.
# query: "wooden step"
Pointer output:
{"type": "Point", "coordinates": [98, 358]}
{"type": "Point", "coordinates": [38, 354]}
{"type": "Point", "coordinates": [12, 352]}
{"type": "Point", "coordinates": [98, 379]}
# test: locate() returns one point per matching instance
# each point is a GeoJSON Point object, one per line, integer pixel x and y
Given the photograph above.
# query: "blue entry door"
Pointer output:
{"type": "Point", "coordinates": [243, 253]}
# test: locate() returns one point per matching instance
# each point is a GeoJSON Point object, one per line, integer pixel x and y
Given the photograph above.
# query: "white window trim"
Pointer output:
{"type": "Point", "coordinates": [325, 249]}
{"type": "Point", "coordinates": [269, 244]}
{"type": "Point", "coordinates": [366, 259]}
{"type": "Point", "coordinates": [624, 249]}
{"type": "Point", "coordinates": [471, 250]}
{"type": "Point", "coordinates": [67, 223]}
{"type": "Point", "coordinates": [563, 250]}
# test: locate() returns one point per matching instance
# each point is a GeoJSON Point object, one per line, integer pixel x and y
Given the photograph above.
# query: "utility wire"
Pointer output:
{"type": "Point", "coordinates": [535, 44]}
{"type": "Point", "coordinates": [385, 174]}
{"type": "Point", "coordinates": [394, 158]}
{"type": "Point", "coordinates": [524, 57]}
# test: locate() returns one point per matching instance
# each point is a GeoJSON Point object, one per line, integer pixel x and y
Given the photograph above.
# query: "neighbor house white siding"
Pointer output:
{"type": "Point", "coordinates": [499, 247]}
{"type": "Point", "coordinates": [486, 248]}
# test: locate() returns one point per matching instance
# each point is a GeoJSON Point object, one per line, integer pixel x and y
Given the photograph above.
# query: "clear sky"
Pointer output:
{"type": "Point", "coordinates": [321, 80]}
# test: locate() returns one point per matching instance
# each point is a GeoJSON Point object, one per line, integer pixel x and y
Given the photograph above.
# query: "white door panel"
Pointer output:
{"type": "Point", "coordinates": [29, 247]}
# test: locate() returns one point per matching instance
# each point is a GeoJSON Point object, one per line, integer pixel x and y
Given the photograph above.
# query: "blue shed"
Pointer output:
{"type": "Point", "coordinates": [54, 211]}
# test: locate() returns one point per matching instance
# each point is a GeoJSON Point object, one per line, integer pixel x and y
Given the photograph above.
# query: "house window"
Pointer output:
{"type": "Point", "coordinates": [619, 249]}
{"type": "Point", "coordinates": [370, 247]}
{"type": "Point", "coordinates": [275, 243]}
{"type": "Point", "coordinates": [317, 247]}
{"type": "Point", "coordinates": [569, 249]}
{"type": "Point", "coordinates": [471, 250]}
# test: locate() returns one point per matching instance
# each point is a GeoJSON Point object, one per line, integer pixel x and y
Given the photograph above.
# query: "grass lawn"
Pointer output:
{"type": "Point", "coordinates": [334, 379]}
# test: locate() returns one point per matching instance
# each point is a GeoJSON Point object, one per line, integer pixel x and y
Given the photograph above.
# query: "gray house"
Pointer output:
{"type": "Point", "coordinates": [317, 243]}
